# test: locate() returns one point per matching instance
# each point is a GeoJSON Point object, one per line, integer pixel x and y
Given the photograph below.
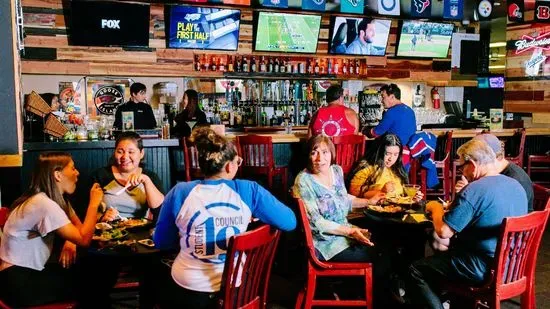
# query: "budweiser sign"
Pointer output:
{"type": "Point", "coordinates": [527, 42]}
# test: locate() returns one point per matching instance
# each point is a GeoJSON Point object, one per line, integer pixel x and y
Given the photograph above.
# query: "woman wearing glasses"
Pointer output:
{"type": "Point", "coordinates": [201, 216]}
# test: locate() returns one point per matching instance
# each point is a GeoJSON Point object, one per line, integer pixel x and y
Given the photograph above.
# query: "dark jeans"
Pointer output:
{"type": "Point", "coordinates": [170, 295]}
{"type": "Point", "coordinates": [426, 277]}
{"type": "Point", "coordinates": [23, 287]}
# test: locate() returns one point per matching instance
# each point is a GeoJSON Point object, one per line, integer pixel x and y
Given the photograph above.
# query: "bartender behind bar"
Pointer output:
{"type": "Point", "coordinates": [143, 117]}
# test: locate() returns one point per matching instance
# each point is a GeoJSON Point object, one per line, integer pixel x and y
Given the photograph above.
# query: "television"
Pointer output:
{"type": "Point", "coordinates": [109, 23]}
{"type": "Point", "coordinates": [348, 39]}
{"type": "Point", "coordinates": [490, 82]}
{"type": "Point", "coordinates": [203, 28]}
{"type": "Point", "coordinates": [290, 33]}
{"type": "Point", "coordinates": [424, 39]}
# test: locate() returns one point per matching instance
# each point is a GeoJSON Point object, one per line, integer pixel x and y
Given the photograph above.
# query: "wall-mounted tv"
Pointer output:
{"type": "Point", "coordinates": [109, 23]}
{"type": "Point", "coordinates": [359, 36]}
{"type": "Point", "coordinates": [424, 39]}
{"type": "Point", "coordinates": [203, 28]}
{"type": "Point", "coordinates": [283, 32]}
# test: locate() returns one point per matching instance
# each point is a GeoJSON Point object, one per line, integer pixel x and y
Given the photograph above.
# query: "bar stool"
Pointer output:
{"type": "Point", "coordinates": [191, 161]}
{"type": "Point", "coordinates": [257, 154]}
{"type": "Point", "coordinates": [349, 149]}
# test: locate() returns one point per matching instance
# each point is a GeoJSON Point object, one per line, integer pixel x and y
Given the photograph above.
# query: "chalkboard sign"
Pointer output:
{"type": "Point", "coordinates": [370, 108]}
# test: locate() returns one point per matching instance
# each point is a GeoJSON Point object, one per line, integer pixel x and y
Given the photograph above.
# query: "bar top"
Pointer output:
{"type": "Point", "coordinates": [96, 144]}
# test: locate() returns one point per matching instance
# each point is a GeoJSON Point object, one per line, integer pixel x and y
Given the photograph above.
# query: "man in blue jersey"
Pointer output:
{"type": "Point", "coordinates": [201, 216]}
{"type": "Point", "coordinates": [399, 119]}
{"type": "Point", "coordinates": [473, 221]}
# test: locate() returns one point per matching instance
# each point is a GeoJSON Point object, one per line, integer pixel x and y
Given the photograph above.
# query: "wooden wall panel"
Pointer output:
{"type": "Point", "coordinates": [525, 94]}
{"type": "Point", "coordinates": [45, 28]}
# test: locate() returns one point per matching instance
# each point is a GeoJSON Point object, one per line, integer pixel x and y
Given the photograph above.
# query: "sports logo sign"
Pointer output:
{"type": "Point", "coordinates": [453, 9]}
{"type": "Point", "coordinates": [515, 10]}
{"type": "Point", "coordinates": [352, 6]}
{"type": "Point", "coordinates": [484, 9]}
{"type": "Point", "coordinates": [314, 5]}
{"type": "Point", "coordinates": [389, 7]}
{"type": "Point", "coordinates": [542, 11]}
{"type": "Point", "coordinates": [421, 8]}
{"type": "Point", "coordinates": [528, 43]}
{"type": "Point", "coordinates": [107, 98]}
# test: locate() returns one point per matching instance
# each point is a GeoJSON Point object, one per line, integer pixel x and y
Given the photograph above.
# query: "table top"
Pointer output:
{"type": "Point", "coordinates": [401, 218]}
{"type": "Point", "coordinates": [116, 248]}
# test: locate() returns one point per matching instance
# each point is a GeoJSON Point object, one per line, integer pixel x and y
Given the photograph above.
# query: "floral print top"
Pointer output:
{"type": "Point", "coordinates": [326, 209]}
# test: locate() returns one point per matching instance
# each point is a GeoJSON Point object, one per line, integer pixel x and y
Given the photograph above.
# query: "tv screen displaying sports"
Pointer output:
{"type": "Point", "coordinates": [359, 36]}
{"type": "Point", "coordinates": [424, 39]}
{"type": "Point", "coordinates": [203, 28]}
{"type": "Point", "coordinates": [282, 32]}
{"type": "Point", "coordinates": [109, 23]}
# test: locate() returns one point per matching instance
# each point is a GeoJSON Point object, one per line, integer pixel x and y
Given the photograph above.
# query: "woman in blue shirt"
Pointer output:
{"type": "Point", "coordinates": [201, 216]}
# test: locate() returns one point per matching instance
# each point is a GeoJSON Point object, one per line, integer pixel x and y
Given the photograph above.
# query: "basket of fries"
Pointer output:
{"type": "Point", "coordinates": [36, 105]}
{"type": "Point", "coordinates": [54, 127]}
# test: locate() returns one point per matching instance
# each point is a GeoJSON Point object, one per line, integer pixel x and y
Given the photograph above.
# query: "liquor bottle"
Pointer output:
{"type": "Point", "coordinates": [214, 65]}
{"type": "Point", "coordinates": [351, 68]}
{"type": "Point", "coordinates": [323, 68]}
{"type": "Point", "coordinates": [253, 65]}
{"type": "Point", "coordinates": [336, 67]}
{"type": "Point", "coordinates": [358, 67]}
{"type": "Point", "coordinates": [282, 65]}
{"type": "Point", "coordinates": [276, 65]}
{"type": "Point", "coordinates": [262, 65]}
{"type": "Point", "coordinates": [206, 62]}
{"type": "Point", "coordinates": [238, 65]}
{"type": "Point", "coordinates": [198, 65]}
{"type": "Point", "coordinates": [222, 65]}
{"type": "Point", "coordinates": [263, 117]}
{"type": "Point", "coordinates": [317, 68]}
{"type": "Point", "coordinates": [309, 66]}
{"type": "Point", "coordinates": [345, 67]}
{"type": "Point", "coordinates": [245, 65]}
{"type": "Point", "coordinates": [288, 65]}
{"type": "Point", "coordinates": [230, 64]}
{"type": "Point", "coordinates": [302, 68]}
{"type": "Point", "coordinates": [329, 68]}
{"type": "Point", "coordinates": [270, 65]}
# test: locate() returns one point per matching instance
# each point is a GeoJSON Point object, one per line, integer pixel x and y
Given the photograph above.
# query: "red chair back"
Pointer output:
{"type": "Point", "coordinates": [349, 149]}
{"type": "Point", "coordinates": [541, 200]}
{"type": "Point", "coordinates": [4, 213]}
{"type": "Point", "coordinates": [538, 168]}
{"type": "Point", "coordinates": [518, 159]}
{"type": "Point", "coordinates": [516, 253]}
{"type": "Point", "coordinates": [257, 153]}
{"type": "Point", "coordinates": [249, 259]}
{"type": "Point", "coordinates": [191, 160]}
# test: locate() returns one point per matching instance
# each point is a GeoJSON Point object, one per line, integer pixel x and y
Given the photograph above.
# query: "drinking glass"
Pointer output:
{"type": "Point", "coordinates": [410, 190]}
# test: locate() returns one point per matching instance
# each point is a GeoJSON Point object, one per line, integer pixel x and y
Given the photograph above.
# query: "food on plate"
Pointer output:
{"type": "Point", "coordinates": [400, 200]}
{"type": "Point", "coordinates": [387, 209]}
{"type": "Point", "coordinates": [103, 226]}
{"type": "Point", "coordinates": [147, 242]}
{"type": "Point", "coordinates": [112, 234]}
{"type": "Point", "coordinates": [134, 222]}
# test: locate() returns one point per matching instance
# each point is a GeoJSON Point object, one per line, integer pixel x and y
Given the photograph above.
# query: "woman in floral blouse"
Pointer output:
{"type": "Point", "coordinates": [321, 187]}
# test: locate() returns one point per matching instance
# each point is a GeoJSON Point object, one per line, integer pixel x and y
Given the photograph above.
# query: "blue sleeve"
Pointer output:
{"type": "Point", "coordinates": [385, 124]}
{"type": "Point", "coordinates": [461, 213]}
{"type": "Point", "coordinates": [166, 232]}
{"type": "Point", "coordinates": [267, 207]}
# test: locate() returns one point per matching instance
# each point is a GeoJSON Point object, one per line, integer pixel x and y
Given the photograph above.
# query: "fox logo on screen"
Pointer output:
{"type": "Point", "coordinates": [110, 23]}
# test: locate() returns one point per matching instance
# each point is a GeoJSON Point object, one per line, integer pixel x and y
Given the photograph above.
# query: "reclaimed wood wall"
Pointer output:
{"type": "Point", "coordinates": [526, 94]}
{"type": "Point", "coordinates": [47, 50]}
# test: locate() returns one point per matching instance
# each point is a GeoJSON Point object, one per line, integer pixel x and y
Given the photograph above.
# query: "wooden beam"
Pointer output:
{"type": "Point", "coordinates": [15, 160]}
{"type": "Point", "coordinates": [55, 67]}
{"type": "Point", "coordinates": [526, 107]}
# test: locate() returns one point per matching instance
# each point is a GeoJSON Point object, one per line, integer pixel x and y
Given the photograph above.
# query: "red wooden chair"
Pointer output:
{"type": "Point", "coordinates": [4, 212]}
{"type": "Point", "coordinates": [518, 159]}
{"type": "Point", "coordinates": [257, 154]}
{"type": "Point", "coordinates": [191, 161]}
{"type": "Point", "coordinates": [539, 165]}
{"type": "Point", "coordinates": [248, 268]}
{"type": "Point", "coordinates": [541, 199]}
{"type": "Point", "coordinates": [513, 271]}
{"type": "Point", "coordinates": [443, 171]}
{"type": "Point", "coordinates": [317, 268]}
{"type": "Point", "coordinates": [349, 149]}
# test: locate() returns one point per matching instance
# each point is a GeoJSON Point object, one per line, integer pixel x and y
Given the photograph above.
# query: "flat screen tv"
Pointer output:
{"type": "Point", "coordinates": [203, 28]}
{"type": "Point", "coordinates": [290, 33]}
{"type": "Point", "coordinates": [109, 23]}
{"type": "Point", "coordinates": [359, 36]}
{"type": "Point", "coordinates": [424, 39]}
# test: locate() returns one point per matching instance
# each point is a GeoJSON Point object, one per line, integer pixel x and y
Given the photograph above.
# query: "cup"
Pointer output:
{"type": "Point", "coordinates": [410, 190]}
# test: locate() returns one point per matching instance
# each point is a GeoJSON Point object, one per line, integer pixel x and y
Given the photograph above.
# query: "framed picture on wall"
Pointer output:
{"type": "Point", "coordinates": [103, 95]}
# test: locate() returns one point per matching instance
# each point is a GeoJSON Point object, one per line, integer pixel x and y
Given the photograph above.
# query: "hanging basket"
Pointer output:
{"type": "Point", "coordinates": [54, 127]}
{"type": "Point", "coordinates": [36, 105]}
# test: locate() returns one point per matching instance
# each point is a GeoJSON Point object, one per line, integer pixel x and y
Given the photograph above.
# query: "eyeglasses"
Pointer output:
{"type": "Point", "coordinates": [239, 161]}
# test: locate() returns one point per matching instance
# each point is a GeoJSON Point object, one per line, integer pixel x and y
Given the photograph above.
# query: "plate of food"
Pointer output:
{"type": "Point", "coordinates": [387, 210]}
{"type": "Point", "coordinates": [112, 234]}
{"type": "Point", "coordinates": [399, 200]}
{"type": "Point", "coordinates": [131, 223]}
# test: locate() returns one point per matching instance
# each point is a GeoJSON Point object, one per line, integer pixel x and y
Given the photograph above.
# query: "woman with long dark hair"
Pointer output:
{"type": "Point", "coordinates": [190, 116]}
{"type": "Point", "coordinates": [27, 278]}
{"type": "Point", "coordinates": [381, 170]}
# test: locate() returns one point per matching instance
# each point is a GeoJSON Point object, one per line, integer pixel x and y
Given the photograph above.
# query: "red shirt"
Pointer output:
{"type": "Point", "coordinates": [332, 121]}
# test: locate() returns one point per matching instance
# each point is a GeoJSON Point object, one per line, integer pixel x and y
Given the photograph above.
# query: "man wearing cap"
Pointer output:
{"type": "Point", "coordinates": [473, 222]}
{"type": "Point", "coordinates": [503, 167]}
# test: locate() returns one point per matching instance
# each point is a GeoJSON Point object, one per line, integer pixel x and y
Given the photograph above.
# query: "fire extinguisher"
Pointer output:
{"type": "Point", "coordinates": [436, 100]}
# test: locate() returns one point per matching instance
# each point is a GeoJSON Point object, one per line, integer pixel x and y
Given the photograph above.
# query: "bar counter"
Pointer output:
{"type": "Point", "coordinates": [165, 157]}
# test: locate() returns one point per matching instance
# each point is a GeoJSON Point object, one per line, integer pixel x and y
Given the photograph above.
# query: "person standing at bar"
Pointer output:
{"type": "Point", "coordinates": [334, 119]}
{"type": "Point", "coordinates": [143, 117]}
{"type": "Point", "coordinates": [399, 119]}
{"type": "Point", "coordinates": [190, 116]}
